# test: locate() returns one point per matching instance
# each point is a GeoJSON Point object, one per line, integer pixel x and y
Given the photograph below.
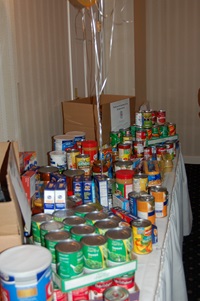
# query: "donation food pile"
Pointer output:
{"type": "Point", "coordinates": [95, 208]}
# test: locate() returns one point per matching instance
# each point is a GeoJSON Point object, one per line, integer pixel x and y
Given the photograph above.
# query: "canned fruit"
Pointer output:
{"type": "Point", "coordinates": [142, 236]}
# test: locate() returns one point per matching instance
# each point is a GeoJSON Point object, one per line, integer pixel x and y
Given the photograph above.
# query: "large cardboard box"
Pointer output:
{"type": "Point", "coordinates": [116, 111]}
{"type": "Point", "coordinates": [11, 220]}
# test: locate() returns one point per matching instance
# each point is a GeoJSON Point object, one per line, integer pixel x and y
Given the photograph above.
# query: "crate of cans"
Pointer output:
{"type": "Point", "coordinates": [85, 280]}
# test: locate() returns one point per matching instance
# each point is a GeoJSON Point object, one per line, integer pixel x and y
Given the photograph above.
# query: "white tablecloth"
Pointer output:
{"type": "Point", "coordinates": [160, 274]}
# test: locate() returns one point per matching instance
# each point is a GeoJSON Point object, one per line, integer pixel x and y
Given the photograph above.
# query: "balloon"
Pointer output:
{"type": "Point", "coordinates": [87, 3]}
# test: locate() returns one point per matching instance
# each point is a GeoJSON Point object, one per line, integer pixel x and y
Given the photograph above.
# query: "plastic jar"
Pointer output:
{"type": "Point", "coordinates": [124, 182]}
{"type": "Point", "coordinates": [99, 167]}
{"type": "Point", "coordinates": [124, 151]}
{"type": "Point", "coordinates": [90, 147]}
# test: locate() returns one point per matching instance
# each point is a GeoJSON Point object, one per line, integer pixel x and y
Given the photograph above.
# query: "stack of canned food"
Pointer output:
{"type": "Point", "coordinates": [84, 240]}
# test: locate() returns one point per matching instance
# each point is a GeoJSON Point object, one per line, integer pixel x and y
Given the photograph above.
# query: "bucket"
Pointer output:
{"type": "Point", "coordinates": [25, 274]}
{"type": "Point", "coordinates": [58, 159]}
{"type": "Point", "coordinates": [63, 142]}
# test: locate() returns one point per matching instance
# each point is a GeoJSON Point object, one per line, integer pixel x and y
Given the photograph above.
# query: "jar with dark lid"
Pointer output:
{"type": "Point", "coordinates": [99, 167]}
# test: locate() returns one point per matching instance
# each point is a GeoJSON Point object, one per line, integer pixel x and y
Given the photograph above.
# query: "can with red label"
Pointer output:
{"type": "Point", "coordinates": [141, 135]}
{"type": "Point", "coordinates": [58, 295]}
{"type": "Point", "coordinates": [116, 293]}
{"type": "Point", "coordinates": [161, 117]}
{"type": "Point", "coordinates": [80, 294]}
{"type": "Point", "coordinates": [147, 153]}
{"type": "Point", "coordinates": [171, 129]}
{"type": "Point", "coordinates": [160, 150]}
{"type": "Point", "coordinates": [96, 290]}
{"type": "Point", "coordinates": [170, 149]}
{"type": "Point", "coordinates": [148, 133]}
{"type": "Point", "coordinates": [139, 149]}
{"type": "Point", "coordinates": [153, 116]}
{"type": "Point", "coordinates": [127, 281]}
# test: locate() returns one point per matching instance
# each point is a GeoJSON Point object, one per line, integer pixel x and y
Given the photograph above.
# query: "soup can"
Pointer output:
{"type": "Point", "coordinates": [79, 294]}
{"type": "Point", "coordinates": [138, 147]}
{"type": "Point", "coordinates": [142, 236]}
{"type": "Point", "coordinates": [160, 195]}
{"type": "Point", "coordinates": [98, 288]}
{"type": "Point", "coordinates": [171, 129]}
{"type": "Point", "coordinates": [127, 281]}
{"type": "Point", "coordinates": [146, 208]}
{"type": "Point", "coordinates": [141, 135]}
{"type": "Point", "coordinates": [116, 293]}
{"type": "Point", "coordinates": [161, 117]}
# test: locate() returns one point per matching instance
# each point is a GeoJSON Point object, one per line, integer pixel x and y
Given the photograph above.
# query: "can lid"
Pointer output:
{"type": "Point", "coordinates": [89, 143]}
{"type": "Point", "coordinates": [124, 174]}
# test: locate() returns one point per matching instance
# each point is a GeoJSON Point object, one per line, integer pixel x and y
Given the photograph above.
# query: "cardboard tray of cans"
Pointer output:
{"type": "Point", "coordinates": [161, 140]}
{"type": "Point", "coordinates": [67, 285]}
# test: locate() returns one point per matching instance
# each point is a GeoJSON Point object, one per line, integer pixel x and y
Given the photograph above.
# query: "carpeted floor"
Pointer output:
{"type": "Point", "coordinates": [191, 243]}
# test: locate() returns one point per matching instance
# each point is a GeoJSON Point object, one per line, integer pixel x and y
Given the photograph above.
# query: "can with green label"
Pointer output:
{"type": "Point", "coordinates": [119, 244]}
{"type": "Point", "coordinates": [51, 240]}
{"type": "Point", "coordinates": [36, 222]}
{"type": "Point", "coordinates": [104, 225]}
{"type": "Point", "coordinates": [92, 217]}
{"type": "Point", "coordinates": [82, 210]}
{"type": "Point", "coordinates": [60, 215]}
{"type": "Point", "coordinates": [69, 259]}
{"type": "Point", "coordinates": [94, 252]}
{"type": "Point", "coordinates": [79, 231]}
{"type": "Point", "coordinates": [163, 130]}
{"type": "Point", "coordinates": [72, 221]}
{"type": "Point", "coordinates": [51, 226]}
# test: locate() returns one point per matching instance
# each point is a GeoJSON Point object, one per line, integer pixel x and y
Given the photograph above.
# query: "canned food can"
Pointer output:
{"type": "Point", "coordinates": [147, 119]}
{"type": "Point", "coordinates": [60, 215]}
{"type": "Point", "coordinates": [147, 153]}
{"type": "Point", "coordinates": [160, 195]}
{"type": "Point", "coordinates": [171, 129]}
{"type": "Point", "coordinates": [116, 293]}
{"type": "Point", "coordinates": [121, 164]}
{"type": "Point", "coordinates": [119, 245]}
{"type": "Point", "coordinates": [141, 135]}
{"type": "Point", "coordinates": [160, 151]}
{"type": "Point", "coordinates": [133, 196]}
{"type": "Point", "coordinates": [140, 182]}
{"type": "Point", "coordinates": [46, 171]}
{"type": "Point", "coordinates": [94, 252]}
{"type": "Point", "coordinates": [80, 294]}
{"type": "Point", "coordinates": [72, 221]}
{"type": "Point", "coordinates": [123, 132]}
{"type": "Point", "coordinates": [127, 281]}
{"type": "Point", "coordinates": [51, 239]}
{"type": "Point", "coordinates": [149, 133]}
{"type": "Point", "coordinates": [50, 226]}
{"type": "Point", "coordinates": [36, 221]}
{"type": "Point", "coordinates": [69, 259]}
{"type": "Point", "coordinates": [146, 208]}
{"type": "Point", "coordinates": [82, 210]}
{"type": "Point", "coordinates": [97, 289]}
{"type": "Point", "coordinates": [104, 225]}
{"type": "Point", "coordinates": [138, 149]}
{"type": "Point", "coordinates": [170, 149]}
{"type": "Point", "coordinates": [92, 217]}
{"type": "Point", "coordinates": [71, 158]}
{"type": "Point", "coordinates": [161, 117]}
{"type": "Point", "coordinates": [139, 118]}
{"type": "Point", "coordinates": [83, 162]}
{"type": "Point", "coordinates": [70, 174]}
{"type": "Point", "coordinates": [163, 130]}
{"type": "Point", "coordinates": [155, 131]}
{"type": "Point", "coordinates": [133, 130]}
{"type": "Point", "coordinates": [124, 151]}
{"type": "Point", "coordinates": [80, 231]}
{"type": "Point", "coordinates": [58, 295]}
{"type": "Point", "coordinates": [142, 236]}
{"type": "Point", "coordinates": [154, 116]}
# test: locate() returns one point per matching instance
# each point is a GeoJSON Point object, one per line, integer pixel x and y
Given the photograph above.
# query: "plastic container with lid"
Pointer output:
{"type": "Point", "coordinates": [124, 182]}
{"type": "Point", "coordinates": [90, 147]}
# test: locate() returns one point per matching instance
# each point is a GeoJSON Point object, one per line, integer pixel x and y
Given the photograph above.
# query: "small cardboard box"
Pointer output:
{"type": "Point", "coordinates": [11, 220]}
{"type": "Point", "coordinates": [116, 111]}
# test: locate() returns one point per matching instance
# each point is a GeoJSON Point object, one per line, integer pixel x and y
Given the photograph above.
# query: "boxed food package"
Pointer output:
{"type": "Point", "coordinates": [116, 112]}
{"type": "Point", "coordinates": [11, 209]}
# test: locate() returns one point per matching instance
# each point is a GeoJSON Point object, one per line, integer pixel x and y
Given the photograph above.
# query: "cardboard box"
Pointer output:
{"type": "Point", "coordinates": [11, 221]}
{"type": "Point", "coordinates": [116, 112]}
